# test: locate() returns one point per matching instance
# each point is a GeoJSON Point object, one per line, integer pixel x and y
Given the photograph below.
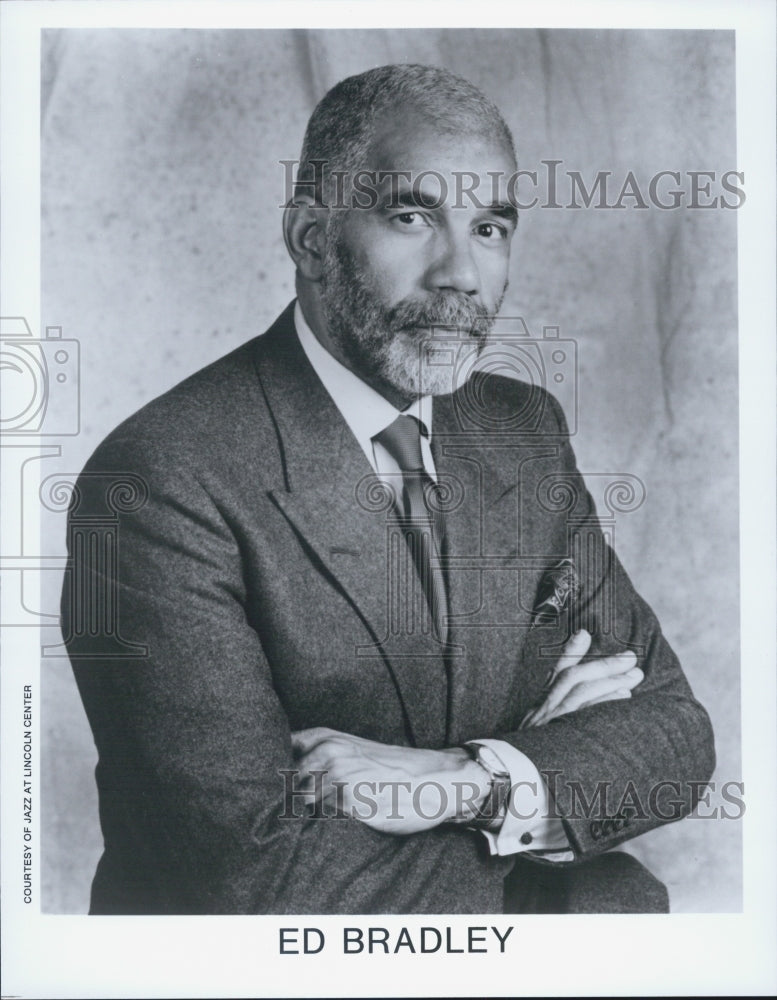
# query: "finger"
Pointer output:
{"type": "Point", "coordinates": [621, 694]}
{"type": "Point", "coordinates": [311, 761]}
{"type": "Point", "coordinates": [584, 693]}
{"type": "Point", "coordinates": [324, 756]}
{"type": "Point", "coordinates": [532, 719]}
{"type": "Point", "coordinates": [575, 648]}
{"type": "Point", "coordinates": [305, 740]}
{"type": "Point", "coordinates": [312, 783]}
{"type": "Point", "coordinates": [596, 676]}
{"type": "Point", "coordinates": [594, 670]}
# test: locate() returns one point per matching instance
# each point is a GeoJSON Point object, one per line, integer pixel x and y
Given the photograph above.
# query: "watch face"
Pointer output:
{"type": "Point", "coordinates": [487, 759]}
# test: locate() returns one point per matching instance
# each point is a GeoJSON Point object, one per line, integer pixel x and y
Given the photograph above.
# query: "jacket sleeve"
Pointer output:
{"type": "Point", "coordinates": [620, 768]}
{"type": "Point", "coordinates": [193, 740]}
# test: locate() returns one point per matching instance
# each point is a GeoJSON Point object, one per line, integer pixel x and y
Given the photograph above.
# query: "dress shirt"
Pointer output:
{"type": "Point", "coordinates": [526, 826]}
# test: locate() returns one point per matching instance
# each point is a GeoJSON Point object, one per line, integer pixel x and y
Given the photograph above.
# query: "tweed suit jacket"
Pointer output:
{"type": "Point", "coordinates": [252, 593]}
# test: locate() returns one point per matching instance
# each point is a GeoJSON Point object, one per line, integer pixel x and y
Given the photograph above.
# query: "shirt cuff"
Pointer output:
{"type": "Point", "coordinates": [527, 827]}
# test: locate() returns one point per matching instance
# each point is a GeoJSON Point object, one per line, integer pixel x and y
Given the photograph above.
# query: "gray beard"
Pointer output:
{"type": "Point", "coordinates": [395, 347]}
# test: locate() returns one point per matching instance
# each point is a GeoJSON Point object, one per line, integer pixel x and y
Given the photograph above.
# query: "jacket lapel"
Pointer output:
{"type": "Point", "coordinates": [492, 578]}
{"type": "Point", "coordinates": [332, 499]}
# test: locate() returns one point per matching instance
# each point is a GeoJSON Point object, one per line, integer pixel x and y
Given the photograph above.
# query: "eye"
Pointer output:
{"type": "Point", "coordinates": [491, 231]}
{"type": "Point", "coordinates": [411, 220]}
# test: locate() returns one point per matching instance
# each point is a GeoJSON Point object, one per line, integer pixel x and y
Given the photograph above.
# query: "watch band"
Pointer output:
{"type": "Point", "coordinates": [493, 810]}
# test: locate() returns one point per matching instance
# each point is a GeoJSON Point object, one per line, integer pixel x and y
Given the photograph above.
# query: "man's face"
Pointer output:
{"type": "Point", "coordinates": [425, 256]}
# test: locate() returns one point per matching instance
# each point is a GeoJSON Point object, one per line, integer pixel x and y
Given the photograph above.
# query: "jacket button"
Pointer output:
{"type": "Point", "coordinates": [596, 829]}
{"type": "Point", "coordinates": [526, 838]}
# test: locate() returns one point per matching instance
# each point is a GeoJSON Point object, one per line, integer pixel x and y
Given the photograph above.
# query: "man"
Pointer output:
{"type": "Point", "coordinates": [384, 667]}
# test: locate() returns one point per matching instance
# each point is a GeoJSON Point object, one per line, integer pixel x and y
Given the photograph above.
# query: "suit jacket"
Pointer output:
{"type": "Point", "coordinates": [247, 592]}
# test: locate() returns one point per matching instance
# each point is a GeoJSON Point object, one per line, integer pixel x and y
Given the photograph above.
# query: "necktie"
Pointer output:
{"type": "Point", "coordinates": [419, 515]}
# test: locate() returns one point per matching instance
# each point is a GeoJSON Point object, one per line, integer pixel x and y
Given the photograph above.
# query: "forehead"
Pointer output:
{"type": "Point", "coordinates": [411, 142]}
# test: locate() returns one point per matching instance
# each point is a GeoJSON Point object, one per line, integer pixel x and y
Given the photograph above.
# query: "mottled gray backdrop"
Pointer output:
{"type": "Point", "coordinates": [162, 250]}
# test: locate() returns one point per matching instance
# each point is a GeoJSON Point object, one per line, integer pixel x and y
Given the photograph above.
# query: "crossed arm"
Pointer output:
{"type": "Point", "coordinates": [193, 739]}
{"type": "Point", "coordinates": [412, 790]}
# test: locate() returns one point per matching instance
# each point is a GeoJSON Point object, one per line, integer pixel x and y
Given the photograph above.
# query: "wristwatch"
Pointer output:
{"type": "Point", "coordinates": [494, 808]}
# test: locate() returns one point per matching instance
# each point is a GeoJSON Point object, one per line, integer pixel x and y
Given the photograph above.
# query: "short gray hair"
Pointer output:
{"type": "Point", "coordinates": [342, 126]}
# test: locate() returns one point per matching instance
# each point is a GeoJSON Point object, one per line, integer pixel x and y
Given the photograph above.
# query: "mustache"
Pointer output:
{"type": "Point", "coordinates": [441, 310]}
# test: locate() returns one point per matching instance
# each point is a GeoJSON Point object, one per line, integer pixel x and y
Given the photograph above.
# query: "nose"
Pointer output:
{"type": "Point", "coordinates": [453, 265]}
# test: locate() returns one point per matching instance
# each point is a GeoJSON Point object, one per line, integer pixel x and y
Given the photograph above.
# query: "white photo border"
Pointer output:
{"type": "Point", "coordinates": [78, 956]}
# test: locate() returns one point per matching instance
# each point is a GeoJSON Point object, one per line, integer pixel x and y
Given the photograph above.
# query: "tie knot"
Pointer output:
{"type": "Point", "coordinates": [402, 440]}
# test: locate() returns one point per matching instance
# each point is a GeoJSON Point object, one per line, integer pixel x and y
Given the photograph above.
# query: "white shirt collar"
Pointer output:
{"type": "Point", "coordinates": [365, 411]}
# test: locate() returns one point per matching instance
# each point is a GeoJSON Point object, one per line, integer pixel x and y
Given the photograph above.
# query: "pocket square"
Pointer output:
{"type": "Point", "coordinates": [558, 590]}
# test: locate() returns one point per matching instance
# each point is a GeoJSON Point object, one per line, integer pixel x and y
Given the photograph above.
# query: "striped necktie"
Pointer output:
{"type": "Point", "coordinates": [419, 514]}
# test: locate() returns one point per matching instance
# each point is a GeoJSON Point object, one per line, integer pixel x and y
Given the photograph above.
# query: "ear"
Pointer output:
{"type": "Point", "coordinates": [304, 226]}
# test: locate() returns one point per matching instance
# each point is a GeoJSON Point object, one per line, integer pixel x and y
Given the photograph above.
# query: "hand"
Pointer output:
{"type": "Point", "coordinates": [394, 789]}
{"type": "Point", "coordinates": [576, 685]}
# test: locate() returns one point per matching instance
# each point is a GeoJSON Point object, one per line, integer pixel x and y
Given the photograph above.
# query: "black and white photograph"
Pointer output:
{"type": "Point", "coordinates": [383, 481]}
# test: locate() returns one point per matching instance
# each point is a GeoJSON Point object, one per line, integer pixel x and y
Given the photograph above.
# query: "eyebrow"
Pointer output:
{"type": "Point", "coordinates": [409, 198]}
{"type": "Point", "coordinates": [504, 211]}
